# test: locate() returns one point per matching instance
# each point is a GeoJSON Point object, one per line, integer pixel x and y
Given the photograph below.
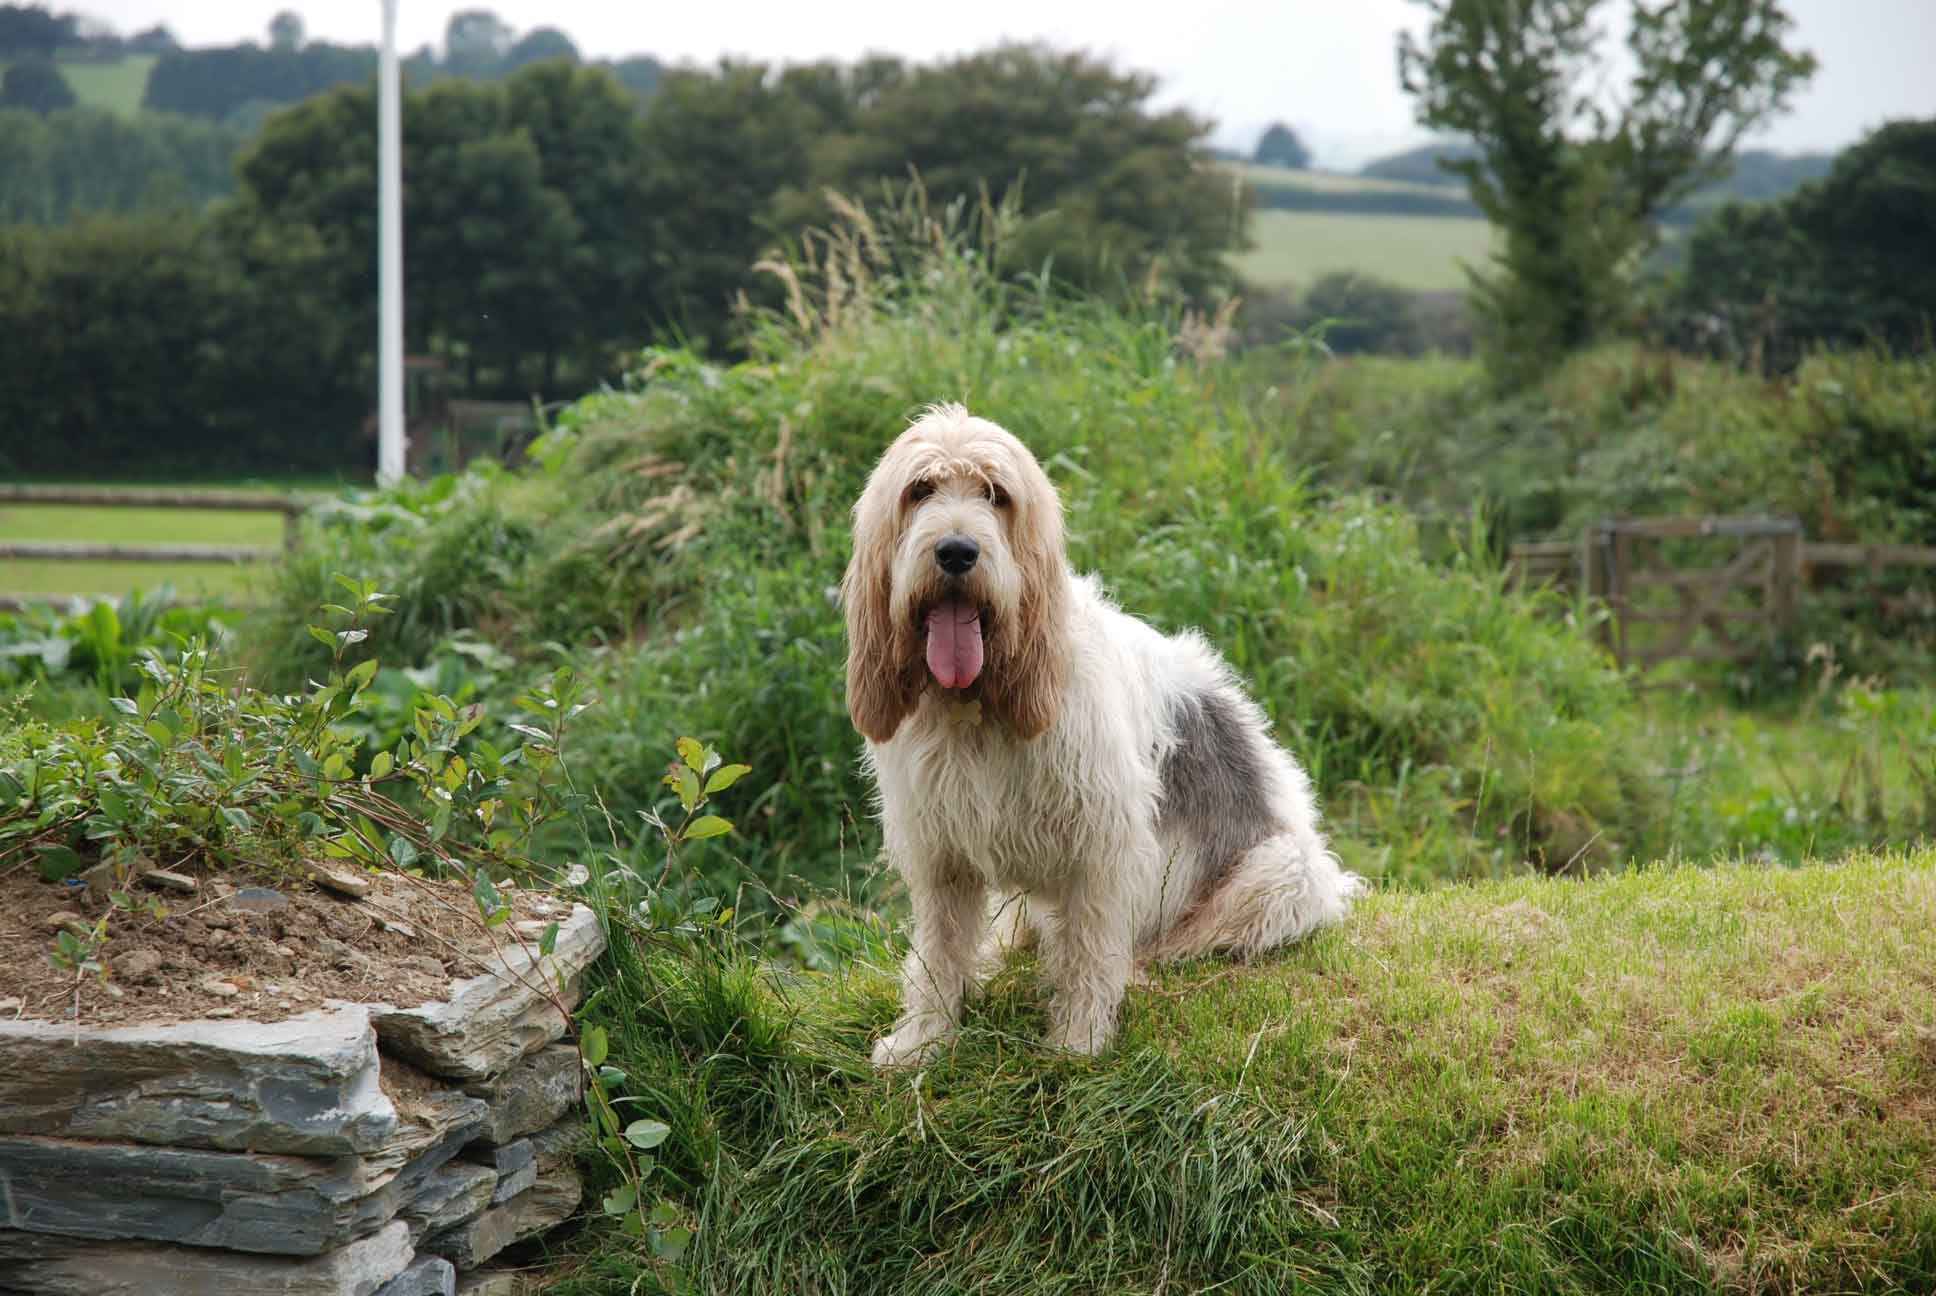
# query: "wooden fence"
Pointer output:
{"type": "Point", "coordinates": [158, 497]}
{"type": "Point", "coordinates": [1721, 587]}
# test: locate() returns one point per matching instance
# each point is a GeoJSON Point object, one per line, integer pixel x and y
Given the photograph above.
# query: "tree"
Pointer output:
{"type": "Point", "coordinates": [31, 29]}
{"type": "Point", "coordinates": [1575, 178]}
{"type": "Point", "coordinates": [35, 84]}
{"type": "Point", "coordinates": [538, 45]}
{"type": "Point", "coordinates": [1280, 146]}
{"type": "Point", "coordinates": [1843, 261]}
{"type": "Point", "coordinates": [1114, 193]}
{"type": "Point", "coordinates": [286, 31]}
{"type": "Point", "coordinates": [475, 43]}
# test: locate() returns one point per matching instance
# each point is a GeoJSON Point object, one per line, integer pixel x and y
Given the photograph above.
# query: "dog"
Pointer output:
{"type": "Point", "coordinates": [1050, 770]}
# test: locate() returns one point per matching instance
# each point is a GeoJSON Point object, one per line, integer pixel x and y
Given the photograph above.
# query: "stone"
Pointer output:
{"type": "Point", "coordinates": [531, 1095]}
{"type": "Point", "coordinates": [59, 1266]}
{"type": "Point", "coordinates": [307, 1085]}
{"type": "Point", "coordinates": [219, 988]}
{"type": "Point", "coordinates": [558, 1145]}
{"type": "Point", "coordinates": [490, 1282]}
{"type": "Point", "coordinates": [136, 965]}
{"type": "Point", "coordinates": [515, 1166]}
{"type": "Point", "coordinates": [543, 1206]}
{"type": "Point", "coordinates": [339, 880]}
{"type": "Point", "coordinates": [278, 1205]}
{"type": "Point", "coordinates": [491, 1021]}
{"type": "Point", "coordinates": [430, 1276]}
{"type": "Point", "coordinates": [70, 920]}
{"type": "Point", "coordinates": [168, 881]}
{"type": "Point", "coordinates": [339, 954]}
{"type": "Point", "coordinates": [449, 1196]}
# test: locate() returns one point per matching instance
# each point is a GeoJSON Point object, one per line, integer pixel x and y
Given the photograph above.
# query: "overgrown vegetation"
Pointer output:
{"type": "Point", "coordinates": [695, 523]}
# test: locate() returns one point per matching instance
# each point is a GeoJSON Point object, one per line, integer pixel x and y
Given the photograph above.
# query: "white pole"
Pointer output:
{"type": "Point", "coordinates": [389, 130]}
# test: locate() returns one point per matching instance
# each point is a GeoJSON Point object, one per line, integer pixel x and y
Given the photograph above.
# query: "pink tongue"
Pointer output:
{"type": "Point", "coordinates": [954, 644]}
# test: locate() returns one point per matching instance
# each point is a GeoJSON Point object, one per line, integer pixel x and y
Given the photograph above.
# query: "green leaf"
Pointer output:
{"type": "Point", "coordinates": [593, 1045]}
{"type": "Point", "coordinates": [647, 1134]}
{"type": "Point", "coordinates": [673, 1243]}
{"type": "Point", "coordinates": [381, 764]}
{"type": "Point", "coordinates": [548, 941]}
{"type": "Point", "coordinates": [707, 826]}
{"type": "Point", "coordinates": [359, 675]}
{"type": "Point", "coordinates": [488, 901]}
{"type": "Point", "coordinates": [324, 637]}
{"type": "Point", "coordinates": [620, 1199]}
{"type": "Point", "coordinates": [688, 788]}
{"type": "Point", "coordinates": [58, 862]}
{"type": "Point", "coordinates": [693, 754]}
{"type": "Point", "coordinates": [726, 777]}
{"type": "Point", "coordinates": [663, 1214]}
{"type": "Point", "coordinates": [404, 853]}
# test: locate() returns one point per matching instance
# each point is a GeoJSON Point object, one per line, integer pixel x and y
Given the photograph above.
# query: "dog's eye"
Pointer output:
{"type": "Point", "coordinates": [919, 491]}
{"type": "Point", "coordinates": [997, 496]}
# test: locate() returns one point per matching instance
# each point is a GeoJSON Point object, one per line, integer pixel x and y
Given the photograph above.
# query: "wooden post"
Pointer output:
{"type": "Point", "coordinates": [1786, 579]}
{"type": "Point", "coordinates": [1620, 591]}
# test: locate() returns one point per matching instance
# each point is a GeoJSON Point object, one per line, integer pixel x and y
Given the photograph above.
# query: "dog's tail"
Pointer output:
{"type": "Point", "coordinates": [1281, 889]}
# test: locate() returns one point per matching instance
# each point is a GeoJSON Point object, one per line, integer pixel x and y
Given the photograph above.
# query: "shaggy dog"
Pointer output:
{"type": "Point", "coordinates": [1050, 769]}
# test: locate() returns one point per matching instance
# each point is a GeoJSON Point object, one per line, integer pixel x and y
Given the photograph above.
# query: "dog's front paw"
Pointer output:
{"type": "Point", "coordinates": [1087, 1034]}
{"type": "Point", "coordinates": [905, 1048]}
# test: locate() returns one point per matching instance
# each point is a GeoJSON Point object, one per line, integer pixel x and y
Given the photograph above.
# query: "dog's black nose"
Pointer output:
{"type": "Point", "coordinates": [956, 555]}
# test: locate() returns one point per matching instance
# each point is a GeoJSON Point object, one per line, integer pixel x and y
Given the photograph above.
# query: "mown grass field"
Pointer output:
{"type": "Point", "coordinates": [1268, 177]}
{"type": "Point", "coordinates": [1417, 252]}
{"type": "Point", "coordinates": [1667, 1080]}
{"type": "Point", "coordinates": [117, 87]}
{"type": "Point", "coordinates": [130, 526]}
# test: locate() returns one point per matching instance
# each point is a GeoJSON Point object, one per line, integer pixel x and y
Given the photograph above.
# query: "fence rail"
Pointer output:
{"type": "Point", "coordinates": [1760, 579]}
{"type": "Point", "coordinates": [291, 508]}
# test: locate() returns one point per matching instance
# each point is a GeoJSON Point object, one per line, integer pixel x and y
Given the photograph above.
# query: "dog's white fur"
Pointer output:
{"type": "Point", "coordinates": [1100, 787]}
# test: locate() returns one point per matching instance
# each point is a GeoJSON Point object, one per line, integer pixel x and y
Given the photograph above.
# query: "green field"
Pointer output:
{"type": "Point", "coordinates": [117, 87]}
{"type": "Point", "coordinates": [1268, 177]}
{"type": "Point", "coordinates": [1418, 252]}
{"type": "Point", "coordinates": [130, 526]}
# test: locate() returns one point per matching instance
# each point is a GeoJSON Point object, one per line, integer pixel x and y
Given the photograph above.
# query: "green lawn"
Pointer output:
{"type": "Point", "coordinates": [130, 526]}
{"type": "Point", "coordinates": [118, 87]}
{"type": "Point", "coordinates": [1417, 252]}
{"type": "Point", "coordinates": [1666, 1080]}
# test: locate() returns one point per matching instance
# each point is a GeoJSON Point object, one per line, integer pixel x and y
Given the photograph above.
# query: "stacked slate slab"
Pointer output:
{"type": "Point", "coordinates": [363, 1150]}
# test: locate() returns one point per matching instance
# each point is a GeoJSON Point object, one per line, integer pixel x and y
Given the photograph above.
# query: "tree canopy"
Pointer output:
{"type": "Point", "coordinates": [35, 84]}
{"type": "Point", "coordinates": [1575, 175]}
{"type": "Point", "coordinates": [1280, 146]}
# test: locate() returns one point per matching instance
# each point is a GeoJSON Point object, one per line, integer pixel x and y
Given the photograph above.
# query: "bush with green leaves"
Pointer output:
{"type": "Point", "coordinates": [682, 538]}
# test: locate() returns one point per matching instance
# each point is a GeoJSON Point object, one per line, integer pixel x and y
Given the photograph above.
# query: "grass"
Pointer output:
{"type": "Point", "coordinates": [118, 87]}
{"type": "Point", "coordinates": [122, 525]}
{"type": "Point", "coordinates": [1269, 177]}
{"type": "Point", "coordinates": [1679, 1079]}
{"type": "Point", "coordinates": [1417, 252]}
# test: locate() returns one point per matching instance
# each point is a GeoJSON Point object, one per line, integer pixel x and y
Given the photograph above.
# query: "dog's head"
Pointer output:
{"type": "Point", "coordinates": [957, 582]}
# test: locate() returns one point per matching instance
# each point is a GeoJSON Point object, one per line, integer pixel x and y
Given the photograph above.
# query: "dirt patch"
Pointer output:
{"type": "Point", "coordinates": [261, 952]}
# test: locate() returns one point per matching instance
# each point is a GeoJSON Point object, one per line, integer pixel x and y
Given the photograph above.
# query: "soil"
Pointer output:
{"type": "Point", "coordinates": [238, 948]}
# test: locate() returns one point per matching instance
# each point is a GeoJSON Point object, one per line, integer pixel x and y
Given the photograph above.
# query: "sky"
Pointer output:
{"type": "Point", "coordinates": [1326, 66]}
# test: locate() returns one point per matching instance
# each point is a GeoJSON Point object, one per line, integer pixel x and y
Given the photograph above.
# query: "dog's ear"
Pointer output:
{"type": "Point", "coordinates": [1032, 656]}
{"type": "Point", "coordinates": [880, 689]}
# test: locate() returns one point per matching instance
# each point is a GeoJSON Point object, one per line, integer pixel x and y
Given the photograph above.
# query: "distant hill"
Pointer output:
{"type": "Point", "coordinates": [1758, 173]}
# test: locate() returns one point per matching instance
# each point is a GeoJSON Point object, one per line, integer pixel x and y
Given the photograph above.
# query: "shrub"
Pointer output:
{"type": "Point", "coordinates": [686, 534]}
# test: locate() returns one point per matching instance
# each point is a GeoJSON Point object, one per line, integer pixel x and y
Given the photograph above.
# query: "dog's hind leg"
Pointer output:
{"type": "Point", "coordinates": [1279, 890]}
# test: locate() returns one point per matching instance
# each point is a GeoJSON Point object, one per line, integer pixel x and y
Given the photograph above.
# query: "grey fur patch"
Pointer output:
{"type": "Point", "coordinates": [1214, 785]}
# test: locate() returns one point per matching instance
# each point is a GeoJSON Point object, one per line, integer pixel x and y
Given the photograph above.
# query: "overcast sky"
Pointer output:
{"type": "Point", "coordinates": [1326, 66]}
